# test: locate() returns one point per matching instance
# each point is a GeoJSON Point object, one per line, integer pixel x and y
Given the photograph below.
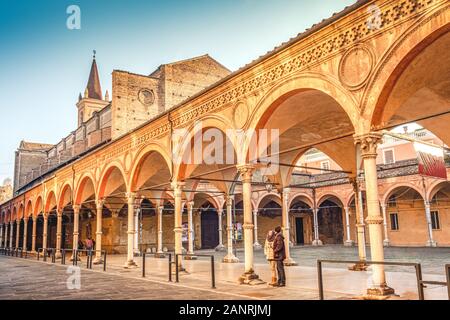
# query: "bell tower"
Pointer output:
{"type": "Point", "coordinates": [92, 100]}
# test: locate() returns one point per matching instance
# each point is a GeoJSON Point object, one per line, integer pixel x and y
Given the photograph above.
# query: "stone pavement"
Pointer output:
{"type": "Point", "coordinates": [339, 283]}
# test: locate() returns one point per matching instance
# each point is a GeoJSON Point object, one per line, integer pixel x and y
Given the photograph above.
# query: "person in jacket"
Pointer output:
{"type": "Point", "coordinates": [279, 254]}
{"type": "Point", "coordinates": [268, 251]}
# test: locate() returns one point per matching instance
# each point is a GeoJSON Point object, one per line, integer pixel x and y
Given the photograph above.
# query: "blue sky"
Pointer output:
{"type": "Point", "coordinates": [44, 65]}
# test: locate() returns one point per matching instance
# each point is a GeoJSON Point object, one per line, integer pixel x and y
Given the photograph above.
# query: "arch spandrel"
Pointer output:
{"type": "Point", "coordinates": [410, 43]}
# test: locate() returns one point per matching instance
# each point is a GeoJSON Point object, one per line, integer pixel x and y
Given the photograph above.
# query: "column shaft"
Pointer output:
{"type": "Point", "coordinates": [25, 234]}
{"type": "Point", "coordinates": [368, 144]}
{"type": "Point", "coordinates": [249, 276]}
{"type": "Point", "coordinates": [286, 226]}
{"type": "Point", "coordinates": [349, 242]}
{"type": "Point", "coordinates": [386, 234]}
{"type": "Point", "coordinates": [177, 192]}
{"type": "Point", "coordinates": [160, 230]}
{"type": "Point", "coordinates": [190, 228]}
{"type": "Point", "coordinates": [33, 235]}
{"type": "Point", "coordinates": [131, 229]}
{"type": "Point", "coordinates": [230, 257]}
{"type": "Point", "coordinates": [17, 233]}
{"type": "Point", "coordinates": [98, 234]}
{"type": "Point", "coordinates": [430, 242]}
{"type": "Point", "coordinates": [58, 233]}
{"type": "Point", "coordinates": [45, 232]}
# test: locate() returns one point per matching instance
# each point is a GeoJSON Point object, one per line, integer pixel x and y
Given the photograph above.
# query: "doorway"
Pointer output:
{"type": "Point", "coordinates": [210, 229]}
{"type": "Point", "coordinates": [299, 231]}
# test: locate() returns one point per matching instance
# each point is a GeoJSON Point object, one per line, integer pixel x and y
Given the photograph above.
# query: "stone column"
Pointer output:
{"type": "Point", "coordinates": [386, 241]}
{"type": "Point", "coordinates": [45, 232]}
{"type": "Point", "coordinates": [11, 231]}
{"type": "Point", "coordinates": [17, 232]}
{"type": "Point", "coordinates": [220, 247]}
{"type": "Point", "coordinates": [25, 234]}
{"type": "Point", "coordinates": [177, 193]}
{"type": "Point", "coordinates": [368, 144]}
{"type": "Point", "coordinates": [249, 276]}
{"type": "Point", "coordinates": [230, 257]}
{"type": "Point", "coordinates": [76, 228]}
{"type": "Point", "coordinates": [98, 234]}
{"type": "Point", "coordinates": [190, 206]}
{"type": "Point", "coordinates": [360, 227]}
{"type": "Point", "coordinates": [349, 242]}
{"type": "Point", "coordinates": [136, 232]}
{"type": "Point", "coordinates": [6, 235]}
{"type": "Point", "coordinates": [1, 236]}
{"type": "Point", "coordinates": [59, 214]}
{"type": "Point", "coordinates": [316, 241]}
{"type": "Point", "coordinates": [33, 235]}
{"type": "Point", "coordinates": [286, 226]}
{"type": "Point", "coordinates": [160, 253]}
{"type": "Point", "coordinates": [431, 242]}
{"type": "Point", "coordinates": [131, 229]}
{"type": "Point", "coordinates": [256, 244]}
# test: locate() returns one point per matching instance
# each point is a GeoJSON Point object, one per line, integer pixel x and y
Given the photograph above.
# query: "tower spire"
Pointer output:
{"type": "Point", "coordinates": [93, 86]}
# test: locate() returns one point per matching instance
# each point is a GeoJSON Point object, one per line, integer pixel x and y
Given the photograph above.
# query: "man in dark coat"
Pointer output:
{"type": "Point", "coordinates": [279, 253]}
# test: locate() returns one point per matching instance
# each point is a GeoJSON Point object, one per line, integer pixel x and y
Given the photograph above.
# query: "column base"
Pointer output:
{"type": "Point", "coordinates": [98, 260]}
{"type": "Point", "coordinates": [289, 262]}
{"type": "Point", "coordinates": [317, 243]}
{"type": "Point", "coordinates": [386, 243]}
{"type": "Point", "coordinates": [432, 244]}
{"type": "Point", "coordinates": [250, 278]}
{"type": "Point", "coordinates": [130, 264]}
{"type": "Point", "coordinates": [381, 291]}
{"type": "Point", "coordinates": [220, 247]}
{"type": "Point", "coordinates": [349, 243]}
{"type": "Point", "coordinates": [160, 255]}
{"type": "Point", "coordinates": [361, 266]}
{"type": "Point", "coordinates": [257, 246]}
{"type": "Point", "coordinates": [230, 258]}
{"type": "Point", "coordinates": [58, 255]}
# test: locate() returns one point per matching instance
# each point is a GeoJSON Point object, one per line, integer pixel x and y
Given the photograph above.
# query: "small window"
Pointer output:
{"type": "Point", "coordinates": [394, 221]}
{"type": "Point", "coordinates": [389, 156]}
{"type": "Point", "coordinates": [325, 165]}
{"type": "Point", "coordinates": [435, 220]}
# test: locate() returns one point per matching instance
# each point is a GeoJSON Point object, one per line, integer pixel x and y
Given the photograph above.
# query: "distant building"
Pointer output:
{"type": "Point", "coordinates": [6, 191]}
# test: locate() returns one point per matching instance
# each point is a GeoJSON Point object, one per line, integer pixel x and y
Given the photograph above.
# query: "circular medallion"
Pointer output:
{"type": "Point", "coordinates": [356, 66]}
{"type": "Point", "coordinates": [240, 115]}
{"type": "Point", "coordinates": [146, 97]}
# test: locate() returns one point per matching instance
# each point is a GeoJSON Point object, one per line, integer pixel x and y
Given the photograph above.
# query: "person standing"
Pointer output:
{"type": "Point", "coordinates": [268, 251]}
{"type": "Point", "coordinates": [279, 253]}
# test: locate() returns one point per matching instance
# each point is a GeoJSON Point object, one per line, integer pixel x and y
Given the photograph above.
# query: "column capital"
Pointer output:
{"type": "Point", "coordinates": [255, 211]}
{"type": "Point", "coordinates": [99, 203]}
{"type": "Point", "coordinates": [177, 185]}
{"type": "Point", "coordinates": [190, 205]}
{"type": "Point", "coordinates": [220, 211]}
{"type": "Point", "coordinates": [246, 171]}
{"type": "Point", "coordinates": [285, 193]}
{"type": "Point", "coordinates": [76, 208]}
{"type": "Point", "coordinates": [131, 197]}
{"type": "Point", "coordinates": [427, 203]}
{"type": "Point", "coordinates": [160, 209]}
{"type": "Point", "coordinates": [383, 206]}
{"type": "Point", "coordinates": [368, 144]}
{"type": "Point", "coordinates": [229, 200]}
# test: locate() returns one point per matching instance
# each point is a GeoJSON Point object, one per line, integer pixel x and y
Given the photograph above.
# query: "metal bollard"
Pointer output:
{"type": "Point", "coordinates": [170, 267]}
{"type": "Point", "coordinates": [213, 275]}
{"type": "Point", "coordinates": [143, 265]}
{"type": "Point", "coordinates": [319, 275]}
{"type": "Point", "coordinates": [447, 268]}
{"type": "Point", "coordinates": [104, 261]}
{"type": "Point", "coordinates": [176, 269]}
{"type": "Point", "coordinates": [419, 282]}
